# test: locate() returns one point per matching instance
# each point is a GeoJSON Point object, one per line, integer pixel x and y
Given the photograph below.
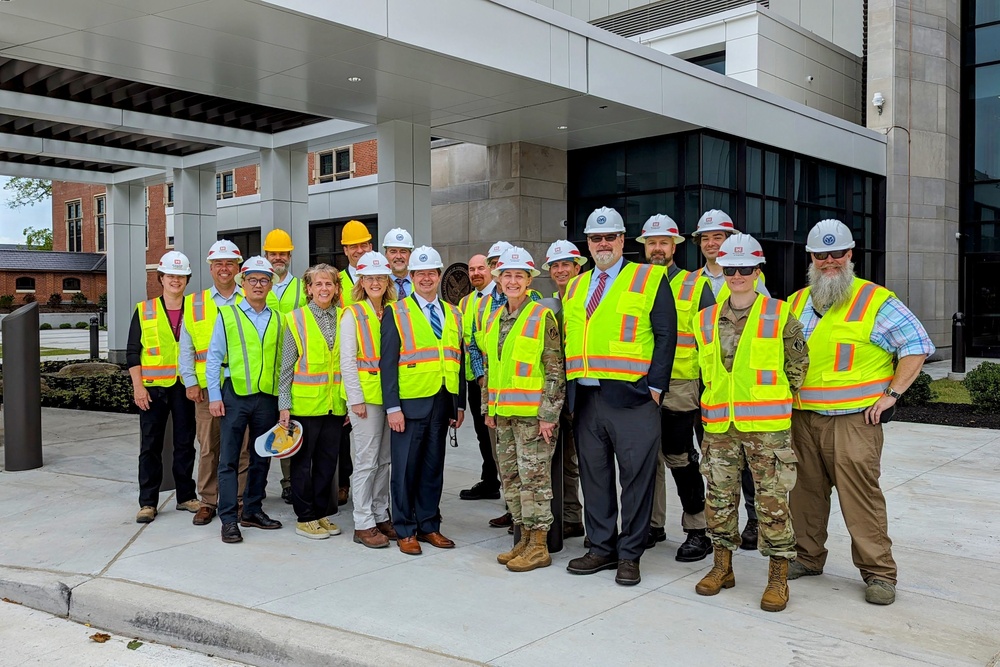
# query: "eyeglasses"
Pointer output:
{"type": "Point", "coordinates": [742, 270]}
{"type": "Point", "coordinates": [257, 282]}
{"type": "Point", "coordinates": [602, 238]}
{"type": "Point", "coordinates": [836, 254]}
{"type": "Point", "coordinates": [375, 279]}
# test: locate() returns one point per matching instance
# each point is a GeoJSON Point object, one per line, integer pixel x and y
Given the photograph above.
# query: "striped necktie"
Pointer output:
{"type": "Point", "coordinates": [401, 282]}
{"type": "Point", "coordinates": [595, 299]}
{"type": "Point", "coordinates": [435, 320]}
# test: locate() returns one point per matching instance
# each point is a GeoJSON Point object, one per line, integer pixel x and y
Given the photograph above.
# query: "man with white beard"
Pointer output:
{"type": "Point", "coordinates": [854, 329]}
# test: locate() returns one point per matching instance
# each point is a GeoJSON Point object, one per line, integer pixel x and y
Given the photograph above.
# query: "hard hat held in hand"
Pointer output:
{"type": "Point", "coordinates": [740, 250]}
{"type": "Point", "coordinates": [497, 249]}
{"type": "Point", "coordinates": [278, 240]}
{"type": "Point", "coordinates": [715, 221]}
{"type": "Point", "coordinates": [224, 249]}
{"type": "Point", "coordinates": [562, 250]}
{"type": "Point", "coordinates": [354, 232]}
{"type": "Point", "coordinates": [174, 263]}
{"type": "Point", "coordinates": [425, 257]}
{"type": "Point", "coordinates": [829, 235]}
{"type": "Point", "coordinates": [373, 264]}
{"type": "Point", "coordinates": [397, 238]}
{"type": "Point", "coordinates": [280, 442]}
{"type": "Point", "coordinates": [515, 258]}
{"type": "Point", "coordinates": [604, 220]}
{"type": "Point", "coordinates": [660, 225]}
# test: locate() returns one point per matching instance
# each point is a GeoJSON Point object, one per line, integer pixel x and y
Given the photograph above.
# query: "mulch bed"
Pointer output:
{"type": "Point", "coordinates": [948, 414]}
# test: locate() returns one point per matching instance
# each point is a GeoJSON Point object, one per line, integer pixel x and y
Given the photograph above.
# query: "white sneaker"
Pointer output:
{"type": "Point", "coordinates": [312, 530]}
{"type": "Point", "coordinates": [330, 527]}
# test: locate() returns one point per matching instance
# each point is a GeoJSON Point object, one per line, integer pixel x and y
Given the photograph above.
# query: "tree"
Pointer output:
{"type": "Point", "coordinates": [27, 191]}
{"type": "Point", "coordinates": [37, 239]}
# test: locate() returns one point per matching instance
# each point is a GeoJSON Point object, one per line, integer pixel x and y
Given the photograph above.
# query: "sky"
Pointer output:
{"type": "Point", "coordinates": [14, 221]}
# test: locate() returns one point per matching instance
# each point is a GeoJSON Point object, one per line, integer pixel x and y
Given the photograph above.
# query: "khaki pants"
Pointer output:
{"type": "Point", "coordinates": [209, 436]}
{"type": "Point", "coordinates": [843, 452]}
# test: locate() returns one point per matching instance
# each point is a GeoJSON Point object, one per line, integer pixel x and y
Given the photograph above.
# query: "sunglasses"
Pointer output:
{"type": "Point", "coordinates": [836, 254]}
{"type": "Point", "coordinates": [599, 238]}
{"type": "Point", "coordinates": [742, 270]}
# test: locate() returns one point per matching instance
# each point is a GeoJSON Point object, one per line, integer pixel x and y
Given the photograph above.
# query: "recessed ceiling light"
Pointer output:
{"type": "Point", "coordinates": [562, 127]}
{"type": "Point", "coordinates": [354, 79]}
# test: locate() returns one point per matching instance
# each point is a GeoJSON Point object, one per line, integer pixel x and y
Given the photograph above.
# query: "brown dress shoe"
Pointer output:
{"type": "Point", "coordinates": [502, 521]}
{"type": "Point", "coordinates": [409, 545]}
{"type": "Point", "coordinates": [386, 528]}
{"type": "Point", "coordinates": [436, 540]}
{"type": "Point", "coordinates": [343, 493]}
{"type": "Point", "coordinates": [371, 538]}
{"type": "Point", "coordinates": [203, 516]}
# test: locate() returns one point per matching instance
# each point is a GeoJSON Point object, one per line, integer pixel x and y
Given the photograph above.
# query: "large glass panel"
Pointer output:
{"type": "Point", "coordinates": [599, 171]}
{"type": "Point", "coordinates": [639, 208]}
{"type": "Point", "coordinates": [718, 162]}
{"type": "Point", "coordinates": [774, 219]}
{"type": "Point", "coordinates": [651, 165]}
{"type": "Point", "coordinates": [988, 44]}
{"type": "Point", "coordinates": [986, 202]}
{"type": "Point", "coordinates": [987, 133]}
{"type": "Point", "coordinates": [755, 170]}
{"type": "Point", "coordinates": [755, 217]}
{"type": "Point", "coordinates": [774, 174]}
{"type": "Point", "coordinates": [987, 11]}
{"type": "Point", "coordinates": [724, 201]}
{"type": "Point", "coordinates": [816, 183]}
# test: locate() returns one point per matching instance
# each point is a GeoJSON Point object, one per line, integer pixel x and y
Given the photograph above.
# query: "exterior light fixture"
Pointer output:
{"type": "Point", "coordinates": [354, 79]}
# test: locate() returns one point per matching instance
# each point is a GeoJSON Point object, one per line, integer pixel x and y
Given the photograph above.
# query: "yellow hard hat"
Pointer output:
{"type": "Point", "coordinates": [355, 232]}
{"type": "Point", "coordinates": [278, 240]}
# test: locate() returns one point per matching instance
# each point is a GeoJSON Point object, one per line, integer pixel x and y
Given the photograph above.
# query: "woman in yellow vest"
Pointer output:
{"type": "Point", "coordinates": [360, 351]}
{"type": "Point", "coordinates": [523, 394]}
{"type": "Point", "coordinates": [753, 357]}
{"type": "Point", "coordinates": [158, 391]}
{"type": "Point", "coordinates": [310, 391]}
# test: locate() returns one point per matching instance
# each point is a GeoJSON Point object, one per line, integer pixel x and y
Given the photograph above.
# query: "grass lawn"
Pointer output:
{"type": "Point", "coordinates": [950, 391]}
{"type": "Point", "coordinates": [53, 351]}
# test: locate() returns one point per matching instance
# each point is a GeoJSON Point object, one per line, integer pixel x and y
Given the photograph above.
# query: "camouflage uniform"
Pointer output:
{"type": "Point", "coordinates": [769, 455]}
{"type": "Point", "coordinates": [524, 458]}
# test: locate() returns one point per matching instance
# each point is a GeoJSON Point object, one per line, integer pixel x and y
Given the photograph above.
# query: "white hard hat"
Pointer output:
{"type": "Point", "coordinates": [515, 258]}
{"type": "Point", "coordinates": [604, 220]}
{"type": "Point", "coordinates": [497, 249]}
{"type": "Point", "coordinates": [660, 225]}
{"type": "Point", "coordinates": [740, 250]}
{"type": "Point", "coordinates": [561, 250]}
{"type": "Point", "coordinates": [175, 263]}
{"type": "Point", "coordinates": [715, 221]}
{"type": "Point", "coordinates": [397, 238]}
{"type": "Point", "coordinates": [828, 235]}
{"type": "Point", "coordinates": [425, 257]}
{"type": "Point", "coordinates": [257, 264]}
{"type": "Point", "coordinates": [373, 264]}
{"type": "Point", "coordinates": [224, 249]}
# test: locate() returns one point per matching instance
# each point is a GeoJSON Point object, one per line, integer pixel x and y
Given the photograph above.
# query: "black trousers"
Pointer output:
{"type": "Point", "coordinates": [164, 402]}
{"type": "Point", "coordinates": [489, 477]}
{"type": "Point", "coordinates": [605, 433]}
{"type": "Point", "coordinates": [676, 429]}
{"type": "Point", "coordinates": [259, 412]}
{"type": "Point", "coordinates": [417, 475]}
{"type": "Point", "coordinates": [314, 465]}
{"type": "Point", "coordinates": [345, 459]}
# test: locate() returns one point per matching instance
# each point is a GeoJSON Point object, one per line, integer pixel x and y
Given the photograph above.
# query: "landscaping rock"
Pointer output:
{"type": "Point", "coordinates": [89, 369]}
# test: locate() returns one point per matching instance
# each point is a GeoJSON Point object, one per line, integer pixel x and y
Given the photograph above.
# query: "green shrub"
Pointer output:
{"type": "Point", "coordinates": [106, 393]}
{"type": "Point", "coordinates": [6, 300]}
{"type": "Point", "coordinates": [81, 325]}
{"type": "Point", "coordinates": [28, 298]}
{"type": "Point", "coordinates": [79, 299]}
{"type": "Point", "coordinates": [983, 384]}
{"type": "Point", "coordinates": [44, 326]}
{"type": "Point", "coordinates": [55, 300]}
{"type": "Point", "coordinates": [919, 393]}
{"type": "Point", "coordinates": [65, 325]}
{"type": "Point", "coordinates": [102, 300]}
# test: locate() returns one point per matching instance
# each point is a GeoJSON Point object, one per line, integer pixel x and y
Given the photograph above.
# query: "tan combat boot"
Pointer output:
{"type": "Point", "coordinates": [720, 576]}
{"type": "Point", "coordinates": [775, 596]}
{"type": "Point", "coordinates": [535, 555]}
{"type": "Point", "coordinates": [521, 545]}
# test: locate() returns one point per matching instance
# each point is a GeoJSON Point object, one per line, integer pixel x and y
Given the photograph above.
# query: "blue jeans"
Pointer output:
{"type": "Point", "coordinates": [259, 412]}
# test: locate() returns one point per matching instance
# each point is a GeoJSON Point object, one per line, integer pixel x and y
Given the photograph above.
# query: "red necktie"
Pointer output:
{"type": "Point", "coordinates": [595, 299]}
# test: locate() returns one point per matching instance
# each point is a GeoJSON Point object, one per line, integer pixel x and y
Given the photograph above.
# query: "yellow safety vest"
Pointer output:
{"type": "Point", "coordinates": [616, 343]}
{"type": "Point", "coordinates": [687, 287]}
{"type": "Point", "coordinates": [293, 297]}
{"type": "Point", "coordinates": [724, 290]}
{"type": "Point", "coordinates": [317, 387]}
{"type": "Point", "coordinates": [515, 380]}
{"type": "Point", "coordinates": [369, 333]}
{"type": "Point", "coordinates": [346, 285]}
{"type": "Point", "coordinates": [467, 306]}
{"type": "Point", "coordinates": [200, 314]}
{"type": "Point", "coordinates": [253, 363]}
{"type": "Point", "coordinates": [755, 396]}
{"type": "Point", "coordinates": [846, 370]}
{"type": "Point", "coordinates": [484, 308]}
{"type": "Point", "coordinates": [426, 363]}
{"type": "Point", "coordinates": [159, 349]}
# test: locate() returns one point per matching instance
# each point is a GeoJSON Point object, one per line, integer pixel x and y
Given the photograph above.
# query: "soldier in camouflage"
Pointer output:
{"type": "Point", "coordinates": [522, 397]}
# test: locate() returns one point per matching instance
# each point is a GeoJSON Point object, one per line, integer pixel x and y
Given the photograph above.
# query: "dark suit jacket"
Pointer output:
{"type": "Point", "coordinates": [663, 319]}
{"type": "Point", "coordinates": [415, 408]}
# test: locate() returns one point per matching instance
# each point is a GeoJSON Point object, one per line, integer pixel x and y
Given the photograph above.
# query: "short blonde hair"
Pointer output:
{"type": "Point", "coordinates": [388, 296]}
{"type": "Point", "coordinates": [310, 275]}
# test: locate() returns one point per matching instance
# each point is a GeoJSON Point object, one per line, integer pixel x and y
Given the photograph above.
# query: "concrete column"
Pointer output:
{"type": "Point", "coordinates": [195, 226]}
{"type": "Point", "coordinates": [284, 200]}
{"type": "Point", "coordinates": [404, 180]}
{"type": "Point", "coordinates": [126, 262]}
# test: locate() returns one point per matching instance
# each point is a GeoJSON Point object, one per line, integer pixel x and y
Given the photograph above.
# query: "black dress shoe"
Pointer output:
{"type": "Point", "coordinates": [696, 547]}
{"type": "Point", "coordinates": [655, 535]}
{"type": "Point", "coordinates": [259, 520]}
{"type": "Point", "coordinates": [231, 533]}
{"type": "Point", "coordinates": [572, 530]}
{"type": "Point", "coordinates": [628, 573]}
{"type": "Point", "coordinates": [286, 495]}
{"type": "Point", "coordinates": [480, 491]}
{"type": "Point", "coordinates": [591, 563]}
{"type": "Point", "coordinates": [748, 538]}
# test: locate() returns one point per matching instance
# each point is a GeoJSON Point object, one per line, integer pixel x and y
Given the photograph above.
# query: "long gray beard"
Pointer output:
{"type": "Point", "coordinates": [829, 291]}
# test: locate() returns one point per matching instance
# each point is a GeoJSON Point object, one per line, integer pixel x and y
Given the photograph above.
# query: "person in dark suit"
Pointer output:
{"type": "Point", "coordinates": [423, 394]}
{"type": "Point", "coordinates": [620, 333]}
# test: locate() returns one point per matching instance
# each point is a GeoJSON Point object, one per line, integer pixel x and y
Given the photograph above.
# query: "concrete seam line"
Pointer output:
{"type": "Point", "coordinates": [132, 539]}
{"type": "Point", "coordinates": [234, 632]}
{"type": "Point", "coordinates": [38, 589]}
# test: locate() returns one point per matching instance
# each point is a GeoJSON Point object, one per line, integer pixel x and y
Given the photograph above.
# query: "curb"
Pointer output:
{"type": "Point", "coordinates": [45, 591]}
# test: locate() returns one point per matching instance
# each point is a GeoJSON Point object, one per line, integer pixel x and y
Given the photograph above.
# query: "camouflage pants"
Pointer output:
{"type": "Point", "coordinates": [772, 464]}
{"type": "Point", "coordinates": [525, 462]}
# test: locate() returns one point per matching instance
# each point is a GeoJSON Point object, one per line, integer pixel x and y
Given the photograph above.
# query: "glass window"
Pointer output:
{"type": "Point", "coordinates": [24, 284]}
{"type": "Point", "coordinates": [342, 160]}
{"type": "Point", "coordinates": [326, 165]}
{"type": "Point", "coordinates": [775, 168]}
{"type": "Point", "coordinates": [986, 202]}
{"type": "Point", "coordinates": [324, 242]}
{"type": "Point", "coordinates": [718, 162]}
{"type": "Point", "coordinates": [987, 124]}
{"type": "Point", "coordinates": [225, 185]}
{"type": "Point", "coordinates": [599, 172]}
{"type": "Point", "coordinates": [71, 284]}
{"type": "Point", "coordinates": [74, 226]}
{"type": "Point", "coordinates": [755, 170]}
{"type": "Point", "coordinates": [170, 195]}
{"type": "Point", "coordinates": [651, 165]}
{"type": "Point", "coordinates": [987, 11]}
{"type": "Point", "coordinates": [247, 241]}
{"type": "Point", "coordinates": [100, 222]}
{"type": "Point", "coordinates": [988, 44]}
{"type": "Point", "coordinates": [713, 61]}
{"type": "Point", "coordinates": [816, 183]}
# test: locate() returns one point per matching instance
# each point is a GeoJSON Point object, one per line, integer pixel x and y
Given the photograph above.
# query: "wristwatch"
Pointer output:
{"type": "Point", "coordinates": [895, 394]}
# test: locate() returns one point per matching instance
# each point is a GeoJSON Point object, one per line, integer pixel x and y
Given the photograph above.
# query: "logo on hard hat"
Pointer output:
{"type": "Point", "coordinates": [829, 239]}
{"type": "Point", "coordinates": [177, 262]}
{"type": "Point", "coordinates": [399, 237]}
{"type": "Point", "coordinates": [708, 219]}
{"type": "Point", "coordinates": [601, 219]}
{"type": "Point", "coordinates": [738, 250]}
{"type": "Point", "coordinates": [514, 256]}
{"type": "Point", "coordinates": [656, 224]}
{"type": "Point", "coordinates": [423, 257]}
{"type": "Point", "coordinates": [376, 262]}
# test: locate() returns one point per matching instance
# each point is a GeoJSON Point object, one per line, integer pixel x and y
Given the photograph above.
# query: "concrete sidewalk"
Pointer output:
{"type": "Point", "coordinates": [70, 546]}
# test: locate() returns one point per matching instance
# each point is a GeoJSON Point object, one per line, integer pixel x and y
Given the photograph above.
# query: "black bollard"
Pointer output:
{"type": "Point", "coordinates": [958, 343]}
{"type": "Point", "coordinates": [95, 339]}
{"type": "Point", "coordinates": [22, 408]}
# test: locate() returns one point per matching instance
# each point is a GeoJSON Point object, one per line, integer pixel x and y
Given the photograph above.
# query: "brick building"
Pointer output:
{"type": "Point", "coordinates": [35, 275]}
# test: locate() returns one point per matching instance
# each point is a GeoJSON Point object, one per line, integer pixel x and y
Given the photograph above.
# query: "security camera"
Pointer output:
{"type": "Point", "coordinates": [810, 78]}
{"type": "Point", "coordinates": [958, 236]}
{"type": "Point", "coordinates": [562, 223]}
{"type": "Point", "coordinates": [878, 101]}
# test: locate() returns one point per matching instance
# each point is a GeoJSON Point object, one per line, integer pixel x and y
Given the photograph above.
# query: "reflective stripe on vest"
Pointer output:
{"type": "Point", "coordinates": [516, 377]}
{"type": "Point", "coordinates": [317, 389]}
{"type": "Point", "coordinates": [252, 362]}
{"type": "Point", "coordinates": [425, 362]}
{"type": "Point", "coordinates": [200, 314]}
{"type": "Point", "coordinates": [158, 359]}
{"type": "Point", "coordinates": [369, 336]}
{"type": "Point", "coordinates": [467, 306]}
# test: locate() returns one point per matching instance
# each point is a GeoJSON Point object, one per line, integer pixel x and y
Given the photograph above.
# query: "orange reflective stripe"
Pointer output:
{"type": "Point", "coordinates": [707, 323]}
{"type": "Point", "coordinates": [574, 364]}
{"type": "Point", "coordinates": [687, 287]}
{"type": "Point", "coordinates": [367, 338]}
{"type": "Point", "coordinates": [685, 340]}
{"type": "Point", "coordinates": [198, 306]}
{"type": "Point", "coordinates": [859, 307]}
{"type": "Point", "coordinates": [767, 323]}
{"type": "Point", "coordinates": [201, 355]}
{"type": "Point", "coordinates": [758, 410]}
{"type": "Point", "coordinates": [641, 277]}
{"type": "Point", "coordinates": [149, 309]}
{"type": "Point", "coordinates": [799, 297]}
{"type": "Point", "coordinates": [712, 414]}
{"type": "Point", "coordinates": [844, 394]}
{"type": "Point", "coordinates": [403, 317]}
{"type": "Point", "coordinates": [767, 377]}
{"type": "Point", "coordinates": [617, 365]}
